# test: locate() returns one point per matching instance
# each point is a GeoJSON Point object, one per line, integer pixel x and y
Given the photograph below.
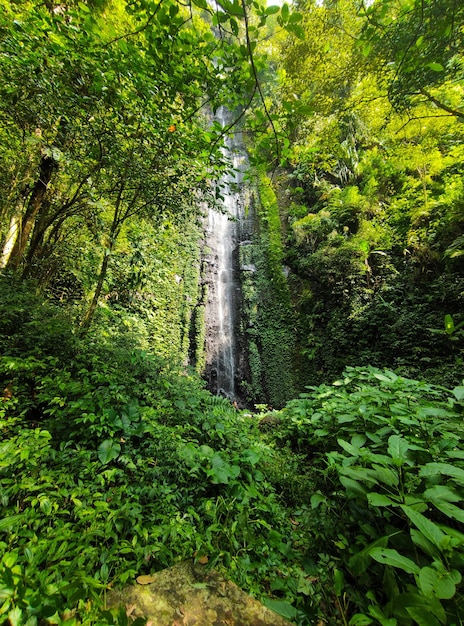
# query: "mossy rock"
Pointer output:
{"type": "Point", "coordinates": [189, 594]}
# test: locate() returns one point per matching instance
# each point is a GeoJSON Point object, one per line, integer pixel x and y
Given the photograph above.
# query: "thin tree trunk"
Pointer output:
{"type": "Point", "coordinates": [88, 317]}
{"type": "Point", "coordinates": [12, 235]}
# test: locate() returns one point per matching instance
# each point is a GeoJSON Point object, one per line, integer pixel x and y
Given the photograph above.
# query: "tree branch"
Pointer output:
{"type": "Point", "coordinates": [441, 105]}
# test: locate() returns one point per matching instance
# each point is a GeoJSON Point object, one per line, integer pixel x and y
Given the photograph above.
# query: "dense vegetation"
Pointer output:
{"type": "Point", "coordinates": [342, 506]}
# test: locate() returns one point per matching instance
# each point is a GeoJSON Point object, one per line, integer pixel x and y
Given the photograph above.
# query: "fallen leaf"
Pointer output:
{"type": "Point", "coordinates": [145, 579]}
{"type": "Point", "coordinates": [130, 610]}
{"type": "Point", "coordinates": [7, 392]}
{"type": "Point", "coordinates": [203, 560]}
{"type": "Point", "coordinates": [172, 128]}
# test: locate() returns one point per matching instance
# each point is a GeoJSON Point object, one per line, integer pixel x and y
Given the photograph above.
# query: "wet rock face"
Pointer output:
{"type": "Point", "coordinates": [189, 595]}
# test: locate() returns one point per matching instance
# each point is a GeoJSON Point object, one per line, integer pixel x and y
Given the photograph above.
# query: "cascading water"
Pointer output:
{"type": "Point", "coordinates": [225, 231]}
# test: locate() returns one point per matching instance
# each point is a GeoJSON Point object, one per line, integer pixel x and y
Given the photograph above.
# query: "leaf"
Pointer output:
{"type": "Point", "coordinates": [397, 448]}
{"type": "Point", "coordinates": [7, 523]}
{"type": "Point", "coordinates": [422, 616]}
{"type": "Point", "coordinates": [458, 393]}
{"type": "Point", "coordinates": [285, 12]}
{"type": "Point", "coordinates": [233, 26]}
{"type": "Point", "coordinates": [438, 584]}
{"type": "Point", "coordinates": [285, 609]}
{"type": "Point", "coordinates": [449, 324]}
{"type": "Point", "coordinates": [251, 456]}
{"type": "Point", "coordinates": [348, 447]}
{"type": "Point", "coordinates": [387, 556]}
{"type": "Point", "coordinates": [426, 527]}
{"type": "Point", "coordinates": [15, 617]}
{"type": "Point", "coordinates": [317, 499]}
{"type": "Point", "coordinates": [378, 499]}
{"type": "Point", "coordinates": [405, 601]}
{"type": "Point", "coordinates": [271, 10]}
{"type": "Point", "coordinates": [339, 582]}
{"type": "Point", "coordinates": [440, 493]}
{"type": "Point", "coordinates": [356, 472]}
{"type": "Point", "coordinates": [450, 511]}
{"type": "Point", "coordinates": [424, 544]}
{"type": "Point", "coordinates": [436, 67]}
{"type": "Point", "coordinates": [145, 579]}
{"type": "Point", "coordinates": [108, 451]}
{"type": "Point", "coordinates": [352, 486]}
{"type": "Point", "coordinates": [359, 619]}
{"type": "Point", "coordinates": [437, 469]}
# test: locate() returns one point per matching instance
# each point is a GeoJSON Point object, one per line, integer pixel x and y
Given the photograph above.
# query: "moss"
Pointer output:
{"type": "Point", "coordinates": [267, 316]}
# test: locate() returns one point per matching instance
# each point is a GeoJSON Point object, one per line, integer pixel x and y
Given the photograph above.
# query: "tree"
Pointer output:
{"type": "Point", "coordinates": [416, 48]}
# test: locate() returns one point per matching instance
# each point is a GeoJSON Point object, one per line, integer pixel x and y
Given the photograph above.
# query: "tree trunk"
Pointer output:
{"type": "Point", "coordinates": [88, 317]}
{"type": "Point", "coordinates": [47, 167]}
{"type": "Point", "coordinates": [11, 237]}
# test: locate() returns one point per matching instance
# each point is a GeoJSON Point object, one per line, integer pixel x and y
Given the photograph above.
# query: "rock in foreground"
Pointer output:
{"type": "Point", "coordinates": [189, 595]}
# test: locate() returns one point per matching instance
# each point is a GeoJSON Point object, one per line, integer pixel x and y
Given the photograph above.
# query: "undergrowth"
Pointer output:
{"type": "Point", "coordinates": [345, 507]}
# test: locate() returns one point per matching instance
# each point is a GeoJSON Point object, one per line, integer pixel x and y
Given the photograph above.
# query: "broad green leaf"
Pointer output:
{"type": "Point", "coordinates": [376, 612]}
{"type": "Point", "coordinates": [450, 510]}
{"type": "Point", "coordinates": [397, 448]}
{"type": "Point", "coordinates": [440, 493]}
{"type": "Point", "coordinates": [251, 456]}
{"type": "Point", "coordinates": [352, 486]}
{"type": "Point", "coordinates": [358, 440]}
{"type": "Point", "coordinates": [422, 616]}
{"type": "Point", "coordinates": [385, 379]}
{"type": "Point", "coordinates": [387, 556]}
{"type": "Point", "coordinates": [108, 451]}
{"type": "Point", "coordinates": [446, 469]}
{"type": "Point", "coordinates": [378, 499]}
{"type": "Point", "coordinates": [271, 10]}
{"type": "Point", "coordinates": [285, 609]}
{"type": "Point", "coordinates": [348, 447]}
{"type": "Point", "coordinates": [441, 585]}
{"type": "Point", "coordinates": [317, 499]}
{"type": "Point", "coordinates": [356, 472]}
{"type": "Point", "coordinates": [436, 67]}
{"type": "Point", "coordinates": [385, 475]}
{"type": "Point", "coordinates": [430, 530]}
{"type": "Point", "coordinates": [7, 523]}
{"type": "Point", "coordinates": [458, 393]}
{"type": "Point", "coordinates": [285, 12]}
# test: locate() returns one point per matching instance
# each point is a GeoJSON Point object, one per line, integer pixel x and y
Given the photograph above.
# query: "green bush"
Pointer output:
{"type": "Point", "coordinates": [386, 458]}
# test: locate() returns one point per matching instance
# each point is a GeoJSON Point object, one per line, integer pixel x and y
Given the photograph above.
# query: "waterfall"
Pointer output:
{"type": "Point", "coordinates": [225, 231]}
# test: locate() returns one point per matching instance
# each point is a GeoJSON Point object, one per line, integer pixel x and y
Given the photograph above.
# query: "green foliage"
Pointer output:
{"type": "Point", "coordinates": [416, 56]}
{"type": "Point", "coordinates": [116, 463]}
{"type": "Point", "coordinates": [385, 455]}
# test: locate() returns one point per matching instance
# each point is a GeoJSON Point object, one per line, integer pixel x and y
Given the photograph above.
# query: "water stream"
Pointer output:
{"type": "Point", "coordinates": [225, 231]}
